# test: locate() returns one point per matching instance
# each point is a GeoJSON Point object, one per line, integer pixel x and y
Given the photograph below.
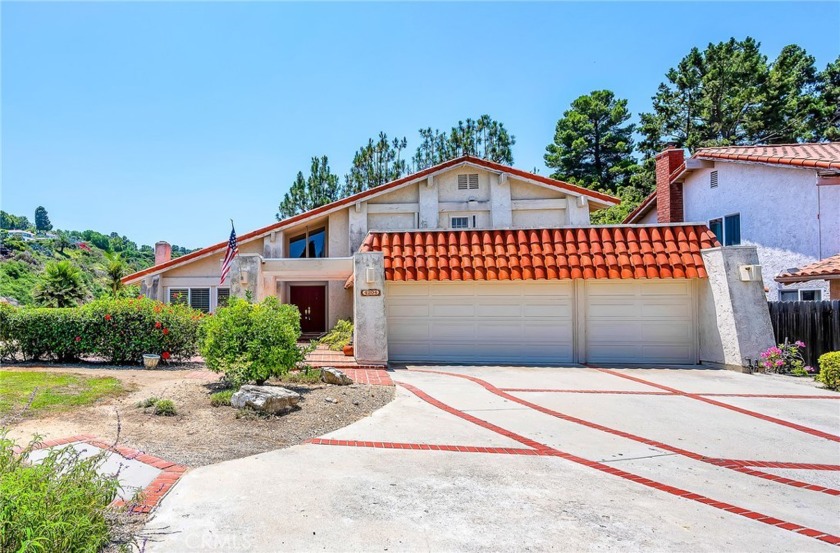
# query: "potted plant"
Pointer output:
{"type": "Point", "coordinates": [150, 360]}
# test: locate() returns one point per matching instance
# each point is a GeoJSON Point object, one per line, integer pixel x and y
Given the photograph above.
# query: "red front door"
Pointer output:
{"type": "Point", "coordinates": [312, 303]}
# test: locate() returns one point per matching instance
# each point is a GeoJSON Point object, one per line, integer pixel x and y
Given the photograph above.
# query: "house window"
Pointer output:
{"type": "Point", "coordinates": [713, 179]}
{"type": "Point", "coordinates": [310, 244]}
{"type": "Point", "coordinates": [222, 297]}
{"type": "Point", "coordinates": [468, 182]}
{"type": "Point", "coordinates": [459, 222]}
{"type": "Point", "coordinates": [727, 229]}
{"type": "Point", "coordinates": [197, 298]}
{"type": "Point", "coordinates": [800, 295]}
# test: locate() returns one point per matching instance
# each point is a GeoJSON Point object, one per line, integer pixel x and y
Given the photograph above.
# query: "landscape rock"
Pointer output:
{"type": "Point", "coordinates": [335, 376]}
{"type": "Point", "coordinates": [330, 400]}
{"type": "Point", "coordinates": [265, 399]}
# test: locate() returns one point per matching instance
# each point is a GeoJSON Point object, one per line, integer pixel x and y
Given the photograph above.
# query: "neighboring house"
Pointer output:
{"type": "Point", "coordinates": [827, 269]}
{"type": "Point", "coordinates": [22, 234]}
{"type": "Point", "coordinates": [783, 199]}
{"type": "Point", "coordinates": [473, 261]}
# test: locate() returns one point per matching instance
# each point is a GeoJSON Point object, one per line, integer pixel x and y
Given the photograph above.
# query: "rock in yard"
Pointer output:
{"type": "Point", "coordinates": [330, 400]}
{"type": "Point", "coordinates": [335, 376]}
{"type": "Point", "coordinates": [265, 399]}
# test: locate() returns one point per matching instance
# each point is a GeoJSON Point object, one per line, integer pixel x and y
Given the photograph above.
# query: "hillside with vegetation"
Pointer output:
{"type": "Point", "coordinates": [61, 268]}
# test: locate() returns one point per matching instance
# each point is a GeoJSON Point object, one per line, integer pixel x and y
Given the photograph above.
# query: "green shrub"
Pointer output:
{"type": "Point", "coordinates": [57, 504]}
{"type": "Point", "coordinates": [220, 399]}
{"type": "Point", "coordinates": [250, 342]}
{"type": "Point", "coordinates": [340, 335]}
{"type": "Point", "coordinates": [830, 369]}
{"type": "Point", "coordinates": [148, 402]}
{"type": "Point", "coordinates": [120, 331]}
{"type": "Point", "coordinates": [165, 408]}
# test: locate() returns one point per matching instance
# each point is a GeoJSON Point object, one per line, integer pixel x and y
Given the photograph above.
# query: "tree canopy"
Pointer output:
{"type": "Point", "coordinates": [320, 188]}
{"type": "Point", "coordinates": [593, 143]}
{"type": "Point", "coordinates": [377, 162]}
{"type": "Point", "coordinates": [42, 221]}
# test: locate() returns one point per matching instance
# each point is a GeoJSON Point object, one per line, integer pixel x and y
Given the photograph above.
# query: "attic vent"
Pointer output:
{"type": "Point", "coordinates": [714, 179]}
{"type": "Point", "coordinates": [468, 182]}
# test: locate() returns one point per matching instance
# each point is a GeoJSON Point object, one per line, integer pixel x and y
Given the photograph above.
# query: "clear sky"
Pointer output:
{"type": "Point", "coordinates": [163, 120]}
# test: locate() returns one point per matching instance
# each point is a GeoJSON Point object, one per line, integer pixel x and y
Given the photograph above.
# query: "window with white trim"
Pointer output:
{"type": "Point", "coordinates": [800, 295]}
{"type": "Point", "coordinates": [727, 229]}
{"type": "Point", "coordinates": [468, 182]}
{"type": "Point", "coordinates": [459, 222]}
{"type": "Point", "coordinates": [197, 298]}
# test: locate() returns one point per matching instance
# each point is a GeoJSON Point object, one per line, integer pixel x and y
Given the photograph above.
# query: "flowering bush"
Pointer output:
{"type": "Point", "coordinates": [120, 331]}
{"type": "Point", "coordinates": [251, 342]}
{"type": "Point", "coordinates": [785, 358]}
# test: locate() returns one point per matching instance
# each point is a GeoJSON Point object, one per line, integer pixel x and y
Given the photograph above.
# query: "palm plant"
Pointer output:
{"type": "Point", "coordinates": [115, 269]}
{"type": "Point", "coordinates": [61, 285]}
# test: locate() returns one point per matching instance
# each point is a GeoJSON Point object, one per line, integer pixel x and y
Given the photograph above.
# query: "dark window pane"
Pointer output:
{"type": "Point", "coordinates": [811, 295]}
{"type": "Point", "coordinates": [179, 296]}
{"type": "Point", "coordinates": [732, 230]}
{"type": "Point", "coordinates": [317, 243]}
{"type": "Point", "coordinates": [223, 297]}
{"type": "Point", "coordinates": [716, 226]}
{"type": "Point", "coordinates": [200, 299]}
{"type": "Point", "coordinates": [297, 246]}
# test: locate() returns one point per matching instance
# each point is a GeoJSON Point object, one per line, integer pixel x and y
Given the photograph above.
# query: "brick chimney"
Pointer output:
{"type": "Point", "coordinates": [669, 197]}
{"type": "Point", "coordinates": [163, 252]}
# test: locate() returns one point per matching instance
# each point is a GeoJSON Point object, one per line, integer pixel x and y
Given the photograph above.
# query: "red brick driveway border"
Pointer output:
{"type": "Point", "coordinates": [152, 494]}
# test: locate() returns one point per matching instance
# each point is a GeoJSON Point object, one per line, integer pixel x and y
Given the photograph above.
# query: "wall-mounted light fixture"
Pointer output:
{"type": "Point", "coordinates": [370, 275]}
{"type": "Point", "coordinates": [243, 275]}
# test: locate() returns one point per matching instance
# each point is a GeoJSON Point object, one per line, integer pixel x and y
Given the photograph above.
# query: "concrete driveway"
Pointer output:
{"type": "Point", "coordinates": [534, 459]}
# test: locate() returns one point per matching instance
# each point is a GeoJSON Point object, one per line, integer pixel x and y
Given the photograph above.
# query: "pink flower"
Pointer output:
{"type": "Point", "coordinates": [78, 338]}
{"type": "Point", "coordinates": [779, 362]}
{"type": "Point", "coordinates": [799, 344]}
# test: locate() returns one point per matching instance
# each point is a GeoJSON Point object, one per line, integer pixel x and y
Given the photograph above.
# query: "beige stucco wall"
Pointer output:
{"type": "Point", "coordinates": [538, 218]}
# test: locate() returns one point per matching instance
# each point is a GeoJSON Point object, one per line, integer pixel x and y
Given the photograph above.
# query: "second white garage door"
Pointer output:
{"type": "Point", "coordinates": [639, 321]}
{"type": "Point", "coordinates": [484, 322]}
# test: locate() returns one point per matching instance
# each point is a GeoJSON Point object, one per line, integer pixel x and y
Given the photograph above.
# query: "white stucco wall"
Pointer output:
{"type": "Point", "coordinates": [649, 218]}
{"type": "Point", "coordinates": [791, 221]}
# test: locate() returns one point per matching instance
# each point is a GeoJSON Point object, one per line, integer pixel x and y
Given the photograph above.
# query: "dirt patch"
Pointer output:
{"type": "Point", "coordinates": [200, 434]}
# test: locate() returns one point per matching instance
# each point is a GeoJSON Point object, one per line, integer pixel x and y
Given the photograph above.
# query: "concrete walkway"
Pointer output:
{"type": "Point", "coordinates": [534, 459]}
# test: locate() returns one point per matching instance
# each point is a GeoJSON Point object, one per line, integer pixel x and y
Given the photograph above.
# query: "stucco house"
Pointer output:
{"type": "Point", "coordinates": [783, 199]}
{"type": "Point", "coordinates": [473, 261]}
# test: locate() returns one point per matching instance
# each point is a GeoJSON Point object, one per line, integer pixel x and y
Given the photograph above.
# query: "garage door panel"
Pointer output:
{"type": "Point", "coordinates": [408, 310]}
{"type": "Point", "coordinates": [483, 322]}
{"type": "Point", "coordinates": [666, 332]}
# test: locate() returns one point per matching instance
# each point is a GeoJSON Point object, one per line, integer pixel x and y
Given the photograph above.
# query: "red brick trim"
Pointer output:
{"type": "Point", "coordinates": [761, 416]}
{"type": "Point", "coordinates": [425, 447]}
{"type": "Point", "coordinates": [738, 466]}
{"type": "Point", "coordinates": [548, 450]}
{"type": "Point", "coordinates": [645, 393]}
{"type": "Point", "coordinates": [151, 494]}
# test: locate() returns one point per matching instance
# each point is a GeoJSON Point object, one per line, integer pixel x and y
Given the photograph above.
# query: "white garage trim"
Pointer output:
{"type": "Point", "coordinates": [521, 322]}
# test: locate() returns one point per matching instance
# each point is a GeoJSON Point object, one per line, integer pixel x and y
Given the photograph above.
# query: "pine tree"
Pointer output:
{"type": "Point", "coordinates": [593, 144]}
{"type": "Point", "coordinates": [42, 221]}
{"type": "Point", "coordinates": [320, 188]}
{"type": "Point", "coordinates": [485, 138]}
{"type": "Point", "coordinates": [375, 163]}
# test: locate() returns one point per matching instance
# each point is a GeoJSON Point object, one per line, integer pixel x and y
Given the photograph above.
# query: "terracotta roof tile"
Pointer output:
{"type": "Point", "coordinates": [824, 155]}
{"type": "Point", "coordinates": [544, 254]}
{"type": "Point", "coordinates": [825, 268]}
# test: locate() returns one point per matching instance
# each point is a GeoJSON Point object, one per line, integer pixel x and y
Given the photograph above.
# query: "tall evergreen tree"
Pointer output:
{"type": "Point", "coordinates": [485, 138]}
{"type": "Point", "coordinates": [826, 121]}
{"type": "Point", "coordinates": [320, 188]}
{"type": "Point", "coordinates": [377, 162]}
{"type": "Point", "coordinates": [42, 221]}
{"type": "Point", "coordinates": [791, 93]}
{"type": "Point", "coordinates": [593, 143]}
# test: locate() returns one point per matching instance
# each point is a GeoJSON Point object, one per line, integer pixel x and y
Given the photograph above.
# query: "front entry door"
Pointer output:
{"type": "Point", "coordinates": [311, 301]}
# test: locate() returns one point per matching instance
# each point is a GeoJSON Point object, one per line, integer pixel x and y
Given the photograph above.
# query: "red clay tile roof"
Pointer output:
{"type": "Point", "coordinates": [825, 268]}
{"type": "Point", "coordinates": [491, 165]}
{"type": "Point", "coordinates": [824, 155]}
{"type": "Point", "coordinates": [618, 252]}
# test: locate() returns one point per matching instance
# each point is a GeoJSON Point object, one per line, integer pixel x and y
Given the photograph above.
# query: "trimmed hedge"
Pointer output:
{"type": "Point", "coordinates": [830, 370]}
{"type": "Point", "coordinates": [119, 331]}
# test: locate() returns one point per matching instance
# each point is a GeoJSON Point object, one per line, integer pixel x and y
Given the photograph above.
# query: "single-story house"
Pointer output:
{"type": "Point", "coordinates": [473, 261]}
{"type": "Point", "coordinates": [826, 269]}
{"type": "Point", "coordinates": [783, 199]}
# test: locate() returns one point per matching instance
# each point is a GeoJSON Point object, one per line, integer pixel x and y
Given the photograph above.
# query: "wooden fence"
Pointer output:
{"type": "Point", "coordinates": [817, 323]}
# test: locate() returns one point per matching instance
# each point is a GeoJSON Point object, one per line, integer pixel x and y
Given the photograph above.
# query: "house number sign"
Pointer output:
{"type": "Point", "coordinates": [372, 292]}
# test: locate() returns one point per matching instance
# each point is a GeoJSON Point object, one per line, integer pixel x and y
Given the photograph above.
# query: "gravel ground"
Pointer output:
{"type": "Point", "coordinates": [201, 434]}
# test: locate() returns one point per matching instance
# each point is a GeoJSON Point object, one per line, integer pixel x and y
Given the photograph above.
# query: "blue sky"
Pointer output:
{"type": "Point", "coordinates": [164, 120]}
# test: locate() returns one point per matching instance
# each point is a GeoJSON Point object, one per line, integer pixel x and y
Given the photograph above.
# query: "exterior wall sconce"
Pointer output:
{"type": "Point", "coordinates": [243, 276]}
{"type": "Point", "coordinates": [370, 275]}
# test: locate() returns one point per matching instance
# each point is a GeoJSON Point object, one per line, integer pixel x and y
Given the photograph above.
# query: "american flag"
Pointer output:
{"type": "Point", "coordinates": [230, 253]}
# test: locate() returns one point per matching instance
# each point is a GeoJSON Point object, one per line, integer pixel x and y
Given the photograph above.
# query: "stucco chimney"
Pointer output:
{"type": "Point", "coordinates": [163, 252]}
{"type": "Point", "coordinates": [669, 197]}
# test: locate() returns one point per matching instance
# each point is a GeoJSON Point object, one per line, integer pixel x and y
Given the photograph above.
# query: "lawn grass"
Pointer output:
{"type": "Point", "coordinates": [55, 391]}
{"type": "Point", "coordinates": [303, 376]}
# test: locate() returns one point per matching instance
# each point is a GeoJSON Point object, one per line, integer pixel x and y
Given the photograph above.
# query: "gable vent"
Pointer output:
{"type": "Point", "coordinates": [468, 182]}
{"type": "Point", "coordinates": [714, 179]}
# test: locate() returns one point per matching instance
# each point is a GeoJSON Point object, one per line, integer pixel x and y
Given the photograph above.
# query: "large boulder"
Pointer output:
{"type": "Point", "coordinates": [335, 376]}
{"type": "Point", "coordinates": [265, 399]}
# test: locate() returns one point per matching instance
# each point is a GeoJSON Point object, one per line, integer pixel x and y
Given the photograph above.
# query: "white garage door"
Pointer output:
{"type": "Point", "coordinates": [493, 322]}
{"type": "Point", "coordinates": [640, 321]}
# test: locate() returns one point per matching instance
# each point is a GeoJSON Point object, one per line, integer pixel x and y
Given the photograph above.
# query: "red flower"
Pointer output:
{"type": "Point", "coordinates": [107, 317]}
{"type": "Point", "coordinates": [158, 325]}
{"type": "Point", "coordinates": [165, 331]}
{"type": "Point", "coordinates": [140, 297]}
{"type": "Point", "coordinates": [78, 338]}
{"type": "Point", "coordinates": [165, 355]}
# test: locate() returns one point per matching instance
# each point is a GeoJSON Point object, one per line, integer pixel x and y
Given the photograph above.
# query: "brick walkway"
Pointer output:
{"type": "Point", "coordinates": [322, 357]}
